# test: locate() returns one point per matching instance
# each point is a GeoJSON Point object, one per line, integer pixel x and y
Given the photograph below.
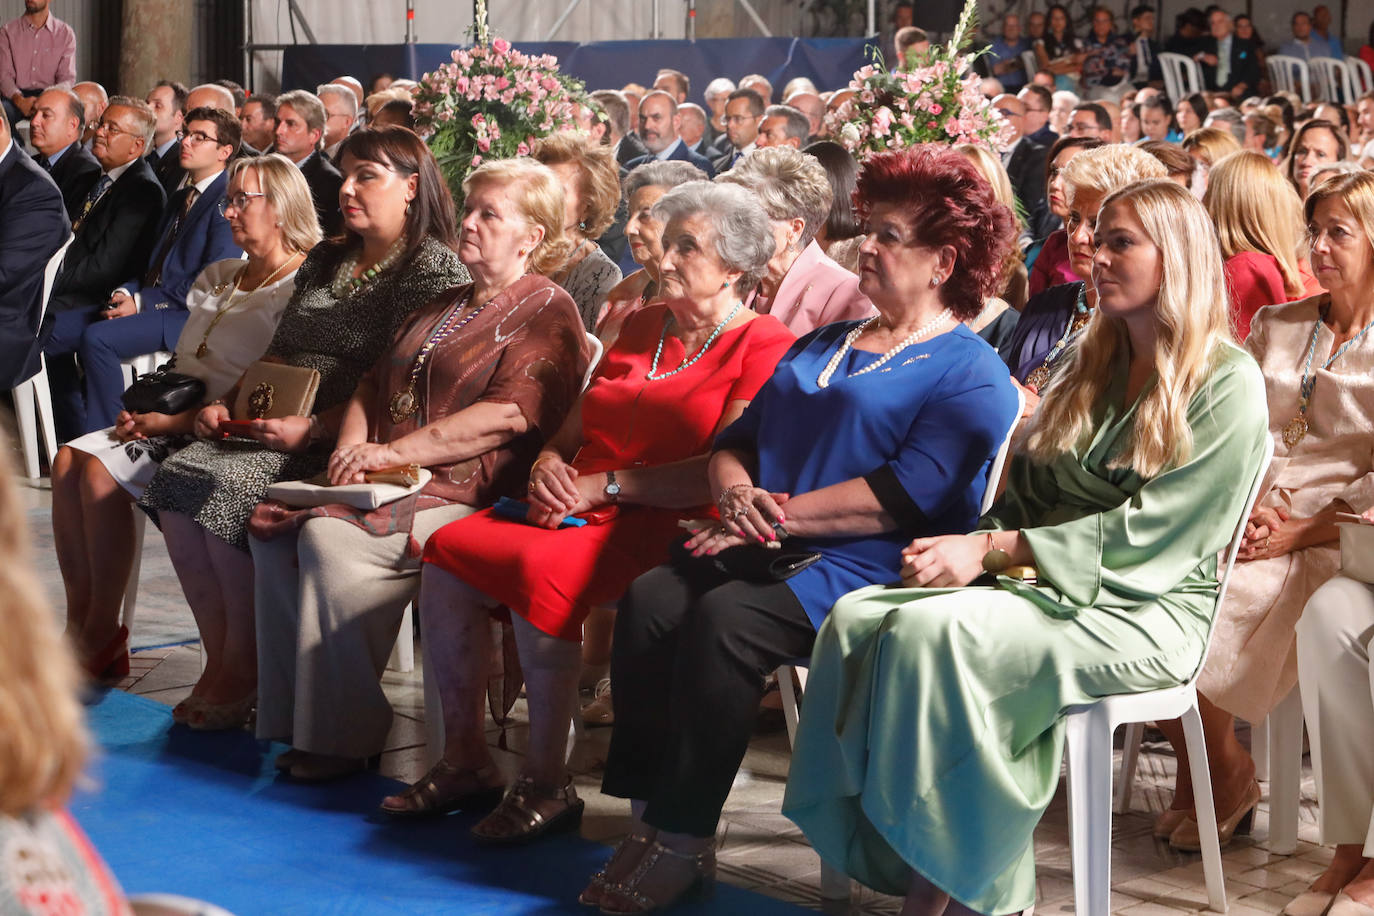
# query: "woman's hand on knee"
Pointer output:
{"type": "Point", "coordinates": [950, 561]}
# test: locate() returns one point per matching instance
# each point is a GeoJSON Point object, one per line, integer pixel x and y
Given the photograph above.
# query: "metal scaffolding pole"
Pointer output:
{"type": "Point", "coordinates": [410, 22]}
{"type": "Point", "coordinates": [758, 21]}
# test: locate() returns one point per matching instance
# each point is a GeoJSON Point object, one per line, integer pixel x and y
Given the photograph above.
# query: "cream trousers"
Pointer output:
{"type": "Point", "coordinates": [1337, 682]}
{"type": "Point", "coordinates": [329, 605]}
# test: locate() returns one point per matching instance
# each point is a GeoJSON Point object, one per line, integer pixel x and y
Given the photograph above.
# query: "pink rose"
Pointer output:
{"type": "Point", "coordinates": [483, 144]}
{"type": "Point", "coordinates": [501, 45]}
{"type": "Point", "coordinates": [523, 149]}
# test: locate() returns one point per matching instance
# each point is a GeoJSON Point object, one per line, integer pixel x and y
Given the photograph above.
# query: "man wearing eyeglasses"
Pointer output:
{"type": "Point", "coordinates": [1025, 164]}
{"type": "Point", "coordinates": [340, 116]}
{"type": "Point", "coordinates": [115, 231]}
{"type": "Point", "coordinates": [146, 314]}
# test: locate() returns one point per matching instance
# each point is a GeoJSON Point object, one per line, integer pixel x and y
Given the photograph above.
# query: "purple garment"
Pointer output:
{"type": "Point", "coordinates": [36, 58]}
{"type": "Point", "coordinates": [1042, 322]}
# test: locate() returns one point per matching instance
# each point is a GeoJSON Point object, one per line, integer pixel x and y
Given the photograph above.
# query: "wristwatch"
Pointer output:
{"type": "Point", "coordinates": [612, 490]}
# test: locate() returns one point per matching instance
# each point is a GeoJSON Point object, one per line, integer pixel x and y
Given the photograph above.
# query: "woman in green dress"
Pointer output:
{"type": "Point", "coordinates": [933, 731]}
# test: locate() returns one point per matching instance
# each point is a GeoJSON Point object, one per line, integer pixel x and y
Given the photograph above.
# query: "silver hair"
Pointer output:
{"type": "Point", "coordinates": [789, 184]}
{"type": "Point", "coordinates": [343, 92]}
{"type": "Point", "coordinates": [1227, 119]}
{"type": "Point", "coordinates": [718, 86]}
{"type": "Point", "coordinates": [661, 173]}
{"type": "Point", "coordinates": [309, 107]}
{"type": "Point", "coordinates": [743, 236]}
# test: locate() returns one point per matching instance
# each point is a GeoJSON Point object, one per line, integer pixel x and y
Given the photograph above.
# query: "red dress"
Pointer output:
{"type": "Point", "coordinates": [553, 578]}
{"type": "Point", "coordinates": [1255, 281]}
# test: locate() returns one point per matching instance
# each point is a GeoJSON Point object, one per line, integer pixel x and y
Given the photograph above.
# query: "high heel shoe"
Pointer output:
{"type": "Point", "coordinates": [112, 661]}
{"type": "Point", "coordinates": [447, 787]}
{"type": "Point", "coordinates": [217, 717]}
{"type": "Point", "coordinates": [1187, 839]}
{"type": "Point", "coordinates": [1168, 822]}
{"type": "Point", "coordinates": [518, 819]}
{"type": "Point", "coordinates": [1346, 905]}
{"type": "Point", "coordinates": [621, 863]}
{"type": "Point", "coordinates": [181, 713]}
{"type": "Point", "coordinates": [636, 893]}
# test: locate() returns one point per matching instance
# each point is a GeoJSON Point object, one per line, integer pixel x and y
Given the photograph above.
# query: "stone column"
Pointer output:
{"type": "Point", "coordinates": [155, 45]}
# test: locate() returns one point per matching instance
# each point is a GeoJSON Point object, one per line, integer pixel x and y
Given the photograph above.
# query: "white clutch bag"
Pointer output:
{"type": "Point", "coordinates": [306, 494]}
{"type": "Point", "coordinates": [1357, 547]}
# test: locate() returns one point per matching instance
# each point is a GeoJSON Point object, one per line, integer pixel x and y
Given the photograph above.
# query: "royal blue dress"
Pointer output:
{"type": "Point", "coordinates": [922, 431]}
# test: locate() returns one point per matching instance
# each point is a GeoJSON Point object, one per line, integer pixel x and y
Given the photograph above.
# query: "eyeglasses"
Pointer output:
{"type": "Point", "coordinates": [1011, 113]}
{"type": "Point", "coordinates": [239, 201]}
{"type": "Point", "coordinates": [111, 127]}
{"type": "Point", "coordinates": [197, 137]}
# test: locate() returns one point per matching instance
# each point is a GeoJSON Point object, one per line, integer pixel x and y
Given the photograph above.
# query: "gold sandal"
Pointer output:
{"type": "Point", "coordinates": [621, 863]}
{"type": "Point", "coordinates": [439, 792]}
{"type": "Point", "coordinates": [628, 898]}
{"type": "Point", "coordinates": [516, 820]}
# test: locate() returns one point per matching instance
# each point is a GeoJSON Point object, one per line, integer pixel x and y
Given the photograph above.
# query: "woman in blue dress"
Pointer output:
{"type": "Point", "coordinates": [867, 433]}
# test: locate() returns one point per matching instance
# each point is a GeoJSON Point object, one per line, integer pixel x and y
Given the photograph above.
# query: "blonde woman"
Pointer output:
{"type": "Point", "coordinates": [47, 856]}
{"type": "Point", "coordinates": [997, 321]}
{"type": "Point", "coordinates": [1259, 224]}
{"type": "Point", "coordinates": [591, 193]}
{"type": "Point", "coordinates": [1208, 146]}
{"type": "Point", "coordinates": [932, 739]}
{"type": "Point", "coordinates": [1317, 355]}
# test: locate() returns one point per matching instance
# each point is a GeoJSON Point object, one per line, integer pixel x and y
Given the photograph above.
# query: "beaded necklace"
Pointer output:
{"type": "Point", "coordinates": [1296, 428]}
{"type": "Point", "coordinates": [653, 367]}
{"type": "Point", "coordinates": [1039, 376]}
{"type": "Point", "coordinates": [406, 402]}
{"type": "Point", "coordinates": [823, 380]}
{"type": "Point", "coordinates": [345, 284]}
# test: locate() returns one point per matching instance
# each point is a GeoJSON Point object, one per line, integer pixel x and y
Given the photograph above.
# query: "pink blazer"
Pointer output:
{"type": "Point", "coordinates": [816, 291]}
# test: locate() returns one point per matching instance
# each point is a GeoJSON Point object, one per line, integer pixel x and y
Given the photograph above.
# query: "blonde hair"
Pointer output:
{"type": "Point", "coordinates": [1212, 144]}
{"type": "Point", "coordinates": [286, 191]}
{"type": "Point", "coordinates": [44, 747]}
{"type": "Point", "coordinates": [1107, 168]}
{"type": "Point", "coordinates": [1354, 189]}
{"type": "Point", "coordinates": [537, 193]}
{"type": "Point", "coordinates": [1191, 325]}
{"type": "Point", "coordinates": [1256, 209]}
{"type": "Point", "coordinates": [600, 176]}
{"type": "Point", "coordinates": [992, 169]}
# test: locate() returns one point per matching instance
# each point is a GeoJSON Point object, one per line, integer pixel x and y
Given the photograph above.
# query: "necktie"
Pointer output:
{"type": "Point", "coordinates": [1223, 64]}
{"type": "Point", "coordinates": [43, 162]}
{"type": "Point", "coordinates": [154, 275]}
{"type": "Point", "coordinates": [92, 197]}
{"type": "Point", "coordinates": [1143, 59]}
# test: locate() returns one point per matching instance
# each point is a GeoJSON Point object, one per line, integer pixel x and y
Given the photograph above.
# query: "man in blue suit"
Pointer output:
{"type": "Point", "coordinates": [147, 313]}
{"type": "Point", "coordinates": [33, 226]}
{"type": "Point", "coordinates": [660, 127]}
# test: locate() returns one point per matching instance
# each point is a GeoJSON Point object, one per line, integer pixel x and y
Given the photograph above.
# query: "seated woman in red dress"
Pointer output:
{"type": "Point", "coordinates": [634, 448]}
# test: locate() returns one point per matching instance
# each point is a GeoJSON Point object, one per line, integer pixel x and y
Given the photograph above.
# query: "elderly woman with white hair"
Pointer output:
{"type": "Point", "coordinates": [803, 287]}
{"type": "Point", "coordinates": [605, 496]}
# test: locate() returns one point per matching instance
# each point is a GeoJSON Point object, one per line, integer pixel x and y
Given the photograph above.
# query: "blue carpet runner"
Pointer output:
{"type": "Point", "coordinates": [205, 816]}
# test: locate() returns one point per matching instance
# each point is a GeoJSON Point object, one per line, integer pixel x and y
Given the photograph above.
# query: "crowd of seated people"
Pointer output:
{"type": "Point", "coordinates": [809, 364]}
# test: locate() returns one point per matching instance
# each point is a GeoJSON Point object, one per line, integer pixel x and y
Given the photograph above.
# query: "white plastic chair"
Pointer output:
{"type": "Point", "coordinates": [1361, 74]}
{"type": "Point", "coordinates": [1333, 79]}
{"type": "Point", "coordinates": [35, 391]}
{"type": "Point", "coordinates": [1031, 63]}
{"type": "Point", "coordinates": [1290, 74]}
{"type": "Point", "coordinates": [1088, 746]}
{"type": "Point", "coordinates": [1182, 76]}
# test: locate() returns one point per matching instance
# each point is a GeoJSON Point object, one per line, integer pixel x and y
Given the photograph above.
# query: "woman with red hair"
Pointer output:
{"type": "Point", "coordinates": [869, 432]}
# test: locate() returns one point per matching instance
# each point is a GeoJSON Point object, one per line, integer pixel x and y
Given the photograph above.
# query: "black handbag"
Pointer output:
{"type": "Point", "coordinates": [747, 562]}
{"type": "Point", "coordinates": [164, 391]}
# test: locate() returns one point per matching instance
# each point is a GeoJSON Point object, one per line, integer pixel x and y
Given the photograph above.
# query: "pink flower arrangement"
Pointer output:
{"type": "Point", "coordinates": [937, 100]}
{"type": "Point", "coordinates": [491, 102]}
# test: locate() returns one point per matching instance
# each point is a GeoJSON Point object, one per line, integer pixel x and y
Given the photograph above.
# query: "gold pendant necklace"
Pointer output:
{"type": "Point", "coordinates": [203, 348]}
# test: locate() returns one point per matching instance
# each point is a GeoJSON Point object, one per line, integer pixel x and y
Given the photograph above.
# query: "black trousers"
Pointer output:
{"type": "Point", "coordinates": [690, 657]}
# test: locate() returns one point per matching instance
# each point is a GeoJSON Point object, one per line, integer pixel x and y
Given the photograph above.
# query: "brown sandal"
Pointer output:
{"type": "Point", "coordinates": [516, 820]}
{"type": "Point", "coordinates": [631, 897]}
{"type": "Point", "coordinates": [443, 789]}
{"type": "Point", "coordinates": [617, 868]}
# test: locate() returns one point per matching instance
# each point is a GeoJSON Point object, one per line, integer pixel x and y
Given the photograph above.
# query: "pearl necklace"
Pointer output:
{"type": "Point", "coordinates": [653, 367]}
{"type": "Point", "coordinates": [823, 380]}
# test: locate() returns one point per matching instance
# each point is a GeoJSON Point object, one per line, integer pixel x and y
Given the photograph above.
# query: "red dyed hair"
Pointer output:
{"type": "Point", "coordinates": [946, 202]}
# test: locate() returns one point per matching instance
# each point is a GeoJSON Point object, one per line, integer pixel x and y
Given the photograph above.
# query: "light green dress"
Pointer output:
{"type": "Point", "coordinates": [932, 734]}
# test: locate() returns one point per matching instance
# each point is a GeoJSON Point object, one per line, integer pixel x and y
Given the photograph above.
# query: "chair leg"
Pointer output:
{"type": "Point", "coordinates": [46, 424]}
{"type": "Point", "coordinates": [1088, 741]}
{"type": "Point", "coordinates": [1130, 755]}
{"type": "Point", "coordinates": [1285, 773]}
{"type": "Point", "coordinates": [131, 590]}
{"type": "Point", "coordinates": [1205, 807]}
{"type": "Point", "coordinates": [1259, 748]}
{"type": "Point", "coordinates": [28, 430]}
{"type": "Point", "coordinates": [789, 703]}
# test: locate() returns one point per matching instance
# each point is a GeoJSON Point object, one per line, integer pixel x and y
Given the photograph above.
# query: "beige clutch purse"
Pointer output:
{"type": "Point", "coordinates": [271, 391]}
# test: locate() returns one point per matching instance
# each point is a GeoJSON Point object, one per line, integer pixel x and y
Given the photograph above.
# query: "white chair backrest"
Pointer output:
{"type": "Point", "coordinates": [1182, 76]}
{"type": "Point", "coordinates": [50, 274]}
{"type": "Point", "coordinates": [1333, 79]}
{"type": "Point", "coordinates": [1361, 74]}
{"type": "Point", "coordinates": [1003, 453]}
{"type": "Point", "coordinates": [594, 344]}
{"type": "Point", "coordinates": [1290, 74]}
{"type": "Point", "coordinates": [1031, 63]}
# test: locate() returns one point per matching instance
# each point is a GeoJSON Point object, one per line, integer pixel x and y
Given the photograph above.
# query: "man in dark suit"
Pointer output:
{"type": "Point", "coordinates": [1145, 69]}
{"type": "Point", "coordinates": [1229, 64]}
{"type": "Point", "coordinates": [33, 227]}
{"type": "Point", "coordinates": [168, 102]}
{"type": "Point", "coordinates": [660, 128]}
{"type": "Point", "coordinates": [55, 131]}
{"type": "Point", "coordinates": [743, 111]}
{"type": "Point", "coordinates": [694, 130]}
{"type": "Point", "coordinates": [258, 120]}
{"type": "Point", "coordinates": [148, 311]}
{"type": "Point", "coordinates": [300, 132]}
{"type": "Point", "coordinates": [1025, 163]}
{"type": "Point", "coordinates": [116, 229]}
